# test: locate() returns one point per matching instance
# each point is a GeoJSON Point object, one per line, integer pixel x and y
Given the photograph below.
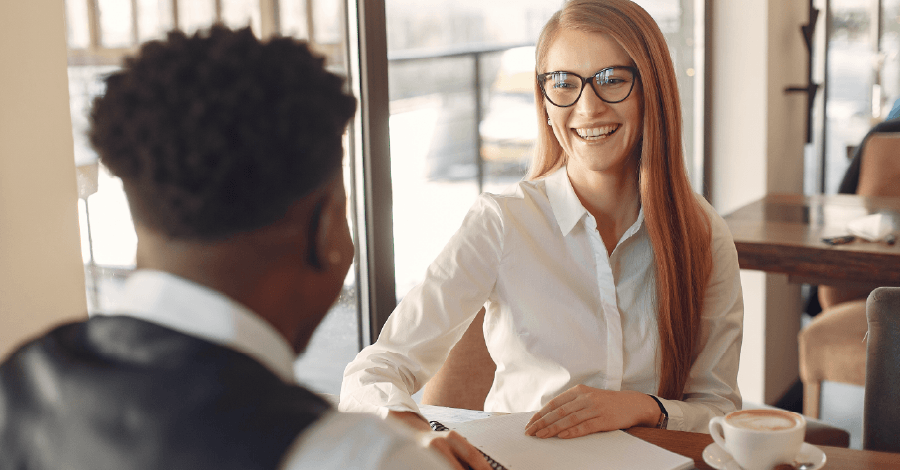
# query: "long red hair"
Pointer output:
{"type": "Point", "coordinates": [679, 229]}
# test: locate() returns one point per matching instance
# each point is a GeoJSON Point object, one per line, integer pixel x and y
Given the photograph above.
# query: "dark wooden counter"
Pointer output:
{"type": "Point", "coordinates": [783, 233]}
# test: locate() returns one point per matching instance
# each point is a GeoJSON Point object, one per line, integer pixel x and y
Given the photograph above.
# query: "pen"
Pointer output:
{"type": "Point", "coordinates": [839, 240]}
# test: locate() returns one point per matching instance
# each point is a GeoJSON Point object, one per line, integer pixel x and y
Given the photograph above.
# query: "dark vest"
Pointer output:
{"type": "Point", "coordinates": [121, 393]}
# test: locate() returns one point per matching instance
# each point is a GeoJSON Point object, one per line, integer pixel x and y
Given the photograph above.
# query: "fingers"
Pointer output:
{"type": "Point", "coordinates": [552, 405]}
{"type": "Point", "coordinates": [440, 444]}
{"type": "Point", "coordinates": [551, 423]}
{"type": "Point", "coordinates": [467, 453]}
{"type": "Point", "coordinates": [565, 422]}
{"type": "Point", "coordinates": [583, 428]}
{"type": "Point", "coordinates": [458, 451]}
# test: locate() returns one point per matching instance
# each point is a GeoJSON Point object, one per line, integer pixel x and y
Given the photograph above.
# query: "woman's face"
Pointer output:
{"type": "Point", "coordinates": [595, 135]}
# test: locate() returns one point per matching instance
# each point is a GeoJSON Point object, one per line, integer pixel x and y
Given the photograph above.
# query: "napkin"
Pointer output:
{"type": "Point", "coordinates": [873, 227]}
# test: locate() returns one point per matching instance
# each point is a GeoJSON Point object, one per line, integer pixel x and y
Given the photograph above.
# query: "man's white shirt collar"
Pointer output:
{"type": "Point", "coordinates": [196, 310]}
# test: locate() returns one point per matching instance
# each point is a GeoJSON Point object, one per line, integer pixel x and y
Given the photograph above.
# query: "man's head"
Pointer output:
{"type": "Point", "coordinates": [219, 133]}
{"type": "Point", "coordinates": [230, 153]}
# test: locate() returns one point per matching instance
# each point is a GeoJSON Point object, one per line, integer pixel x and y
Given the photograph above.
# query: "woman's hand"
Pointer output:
{"type": "Point", "coordinates": [583, 410]}
{"type": "Point", "coordinates": [459, 453]}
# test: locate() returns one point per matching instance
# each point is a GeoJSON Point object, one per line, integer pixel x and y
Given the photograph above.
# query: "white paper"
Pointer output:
{"type": "Point", "coordinates": [872, 227]}
{"type": "Point", "coordinates": [445, 415]}
{"type": "Point", "coordinates": [503, 438]}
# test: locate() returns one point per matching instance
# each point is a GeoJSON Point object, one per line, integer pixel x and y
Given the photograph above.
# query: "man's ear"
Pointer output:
{"type": "Point", "coordinates": [317, 240]}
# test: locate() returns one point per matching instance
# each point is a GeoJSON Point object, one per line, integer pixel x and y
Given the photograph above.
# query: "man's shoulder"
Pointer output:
{"type": "Point", "coordinates": [144, 390]}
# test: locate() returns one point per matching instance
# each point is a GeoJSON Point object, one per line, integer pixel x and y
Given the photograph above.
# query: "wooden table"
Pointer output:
{"type": "Point", "coordinates": [783, 233]}
{"type": "Point", "coordinates": [691, 445]}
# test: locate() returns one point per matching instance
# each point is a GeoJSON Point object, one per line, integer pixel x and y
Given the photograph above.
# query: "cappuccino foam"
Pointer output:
{"type": "Point", "coordinates": [762, 420]}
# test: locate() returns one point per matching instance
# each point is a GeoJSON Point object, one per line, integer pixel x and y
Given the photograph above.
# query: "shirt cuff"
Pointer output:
{"type": "Point", "coordinates": [397, 402]}
{"type": "Point", "coordinates": [383, 411]}
{"type": "Point", "coordinates": [676, 414]}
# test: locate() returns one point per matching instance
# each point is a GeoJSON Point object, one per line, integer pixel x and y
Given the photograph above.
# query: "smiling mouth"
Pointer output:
{"type": "Point", "coordinates": [597, 133]}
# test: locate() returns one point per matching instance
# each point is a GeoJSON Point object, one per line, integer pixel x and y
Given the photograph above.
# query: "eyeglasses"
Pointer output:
{"type": "Point", "coordinates": [612, 85]}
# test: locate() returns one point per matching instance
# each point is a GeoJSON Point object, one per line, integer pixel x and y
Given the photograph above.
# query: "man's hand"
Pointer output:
{"type": "Point", "coordinates": [453, 446]}
{"type": "Point", "coordinates": [583, 410]}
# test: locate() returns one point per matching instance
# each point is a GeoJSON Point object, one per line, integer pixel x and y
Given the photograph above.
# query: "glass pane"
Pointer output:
{"type": "Point", "coordinates": [327, 20]}
{"type": "Point", "coordinates": [108, 238]}
{"type": "Point", "coordinates": [434, 124]}
{"type": "Point", "coordinates": [196, 14]}
{"type": "Point", "coordinates": [676, 19]}
{"type": "Point", "coordinates": [509, 125]}
{"type": "Point", "coordinates": [890, 54]}
{"type": "Point", "coordinates": [78, 34]}
{"type": "Point", "coordinates": [154, 19]}
{"type": "Point", "coordinates": [115, 22]}
{"type": "Point", "coordinates": [241, 13]}
{"type": "Point", "coordinates": [294, 18]}
{"type": "Point", "coordinates": [851, 76]}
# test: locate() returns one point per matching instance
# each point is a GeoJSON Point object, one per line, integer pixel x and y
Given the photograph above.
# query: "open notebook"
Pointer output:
{"type": "Point", "coordinates": [502, 439]}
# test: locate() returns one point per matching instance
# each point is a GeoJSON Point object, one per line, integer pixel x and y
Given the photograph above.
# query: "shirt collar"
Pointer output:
{"type": "Point", "coordinates": [567, 208]}
{"type": "Point", "coordinates": [199, 311]}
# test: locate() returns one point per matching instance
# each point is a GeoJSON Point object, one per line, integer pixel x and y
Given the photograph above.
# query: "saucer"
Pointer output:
{"type": "Point", "coordinates": [717, 458]}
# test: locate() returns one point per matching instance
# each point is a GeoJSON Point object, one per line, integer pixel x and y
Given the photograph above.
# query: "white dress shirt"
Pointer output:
{"type": "Point", "coordinates": [336, 440]}
{"type": "Point", "coordinates": [559, 312]}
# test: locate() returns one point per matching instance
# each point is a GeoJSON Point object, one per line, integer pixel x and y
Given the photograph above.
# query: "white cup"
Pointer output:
{"type": "Point", "coordinates": [759, 439]}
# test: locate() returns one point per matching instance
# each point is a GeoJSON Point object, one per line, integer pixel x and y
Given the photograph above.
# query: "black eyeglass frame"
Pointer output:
{"type": "Point", "coordinates": [542, 77]}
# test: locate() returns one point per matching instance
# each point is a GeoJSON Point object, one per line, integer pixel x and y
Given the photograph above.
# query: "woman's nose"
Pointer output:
{"type": "Point", "coordinates": [590, 103]}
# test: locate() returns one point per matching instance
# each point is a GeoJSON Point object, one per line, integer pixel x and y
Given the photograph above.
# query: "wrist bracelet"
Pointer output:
{"type": "Point", "coordinates": [664, 418]}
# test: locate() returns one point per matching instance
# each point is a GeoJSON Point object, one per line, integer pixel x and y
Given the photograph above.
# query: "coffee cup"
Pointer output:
{"type": "Point", "coordinates": [759, 439]}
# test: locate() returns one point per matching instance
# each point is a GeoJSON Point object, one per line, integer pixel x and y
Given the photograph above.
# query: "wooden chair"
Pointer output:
{"type": "Point", "coordinates": [881, 412]}
{"type": "Point", "coordinates": [831, 347]}
{"type": "Point", "coordinates": [468, 373]}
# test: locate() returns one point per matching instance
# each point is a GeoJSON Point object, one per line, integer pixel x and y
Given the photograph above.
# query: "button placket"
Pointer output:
{"type": "Point", "coordinates": [608, 308]}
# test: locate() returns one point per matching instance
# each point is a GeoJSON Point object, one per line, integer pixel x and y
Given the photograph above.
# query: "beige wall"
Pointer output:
{"type": "Point", "coordinates": [41, 275]}
{"type": "Point", "coordinates": [757, 141]}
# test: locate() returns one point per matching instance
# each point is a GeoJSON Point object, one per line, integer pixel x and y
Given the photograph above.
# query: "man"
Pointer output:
{"type": "Point", "coordinates": [230, 153]}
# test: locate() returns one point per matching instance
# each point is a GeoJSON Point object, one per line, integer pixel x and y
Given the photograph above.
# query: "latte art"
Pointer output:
{"type": "Point", "coordinates": [759, 439]}
{"type": "Point", "coordinates": [762, 420]}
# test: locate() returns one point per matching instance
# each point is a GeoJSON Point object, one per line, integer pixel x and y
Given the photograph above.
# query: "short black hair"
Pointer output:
{"type": "Point", "coordinates": [218, 133]}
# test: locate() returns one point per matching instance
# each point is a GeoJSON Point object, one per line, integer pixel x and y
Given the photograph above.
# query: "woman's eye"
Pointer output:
{"type": "Point", "coordinates": [611, 81]}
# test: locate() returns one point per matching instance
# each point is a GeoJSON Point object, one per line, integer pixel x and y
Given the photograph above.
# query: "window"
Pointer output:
{"type": "Point", "coordinates": [862, 83]}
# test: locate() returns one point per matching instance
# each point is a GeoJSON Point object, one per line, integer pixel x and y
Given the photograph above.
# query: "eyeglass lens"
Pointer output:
{"type": "Point", "coordinates": [612, 85]}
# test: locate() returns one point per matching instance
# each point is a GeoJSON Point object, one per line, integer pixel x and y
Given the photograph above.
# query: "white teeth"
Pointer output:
{"type": "Point", "coordinates": [596, 132]}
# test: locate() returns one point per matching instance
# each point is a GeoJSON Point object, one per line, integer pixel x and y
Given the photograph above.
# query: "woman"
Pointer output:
{"type": "Point", "coordinates": [611, 290]}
